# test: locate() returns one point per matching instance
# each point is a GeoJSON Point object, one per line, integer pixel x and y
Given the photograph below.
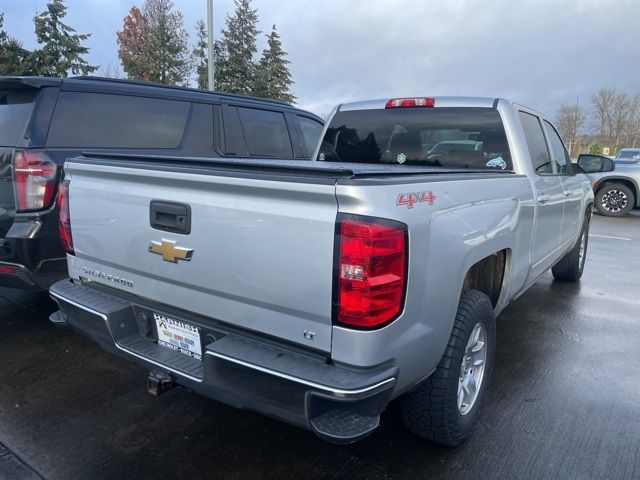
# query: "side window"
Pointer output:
{"type": "Point", "coordinates": [198, 139]}
{"type": "Point", "coordinates": [97, 120]}
{"type": "Point", "coordinates": [266, 133]}
{"type": "Point", "coordinates": [559, 154]}
{"type": "Point", "coordinates": [536, 143]}
{"type": "Point", "coordinates": [311, 131]}
{"type": "Point", "coordinates": [233, 138]}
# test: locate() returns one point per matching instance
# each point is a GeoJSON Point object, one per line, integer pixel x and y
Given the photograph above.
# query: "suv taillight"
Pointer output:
{"type": "Point", "coordinates": [34, 180]}
{"type": "Point", "coordinates": [64, 220]}
{"type": "Point", "coordinates": [371, 271]}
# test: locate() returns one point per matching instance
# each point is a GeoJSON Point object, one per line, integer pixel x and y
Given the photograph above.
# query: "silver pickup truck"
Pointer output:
{"type": "Point", "coordinates": [319, 291]}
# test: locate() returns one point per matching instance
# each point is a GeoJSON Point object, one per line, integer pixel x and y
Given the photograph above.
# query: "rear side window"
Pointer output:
{"type": "Point", "coordinates": [96, 120]}
{"type": "Point", "coordinates": [439, 137]}
{"type": "Point", "coordinates": [15, 107]}
{"type": "Point", "coordinates": [311, 131]}
{"type": "Point", "coordinates": [559, 154]}
{"type": "Point", "coordinates": [233, 137]}
{"type": "Point", "coordinates": [266, 133]}
{"type": "Point", "coordinates": [536, 143]}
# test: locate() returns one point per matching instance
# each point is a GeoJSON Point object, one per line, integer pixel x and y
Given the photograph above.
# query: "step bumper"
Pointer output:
{"type": "Point", "coordinates": [339, 403]}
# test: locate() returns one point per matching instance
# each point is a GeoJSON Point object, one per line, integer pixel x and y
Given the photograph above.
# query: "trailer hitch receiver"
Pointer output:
{"type": "Point", "coordinates": [159, 382]}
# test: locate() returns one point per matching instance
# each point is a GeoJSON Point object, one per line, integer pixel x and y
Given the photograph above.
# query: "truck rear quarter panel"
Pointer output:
{"type": "Point", "coordinates": [468, 218]}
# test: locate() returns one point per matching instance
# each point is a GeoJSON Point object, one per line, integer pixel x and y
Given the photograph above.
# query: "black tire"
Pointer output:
{"type": "Point", "coordinates": [431, 409]}
{"type": "Point", "coordinates": [571, 266]}
{"type": "Point", "coordinates": [615, 200]}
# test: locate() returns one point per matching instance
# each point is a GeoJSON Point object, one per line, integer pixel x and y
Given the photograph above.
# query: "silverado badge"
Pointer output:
{"type": "Point", "coordinates": [170, 252]}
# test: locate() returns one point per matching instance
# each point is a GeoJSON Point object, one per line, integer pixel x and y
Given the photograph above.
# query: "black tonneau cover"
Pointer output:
{"type": "Point", "coordinates": [273, 165]}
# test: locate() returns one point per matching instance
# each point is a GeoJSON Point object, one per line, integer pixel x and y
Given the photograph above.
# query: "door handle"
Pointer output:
{"type": "Point", "coordinates": [568, 194]}
{"type": "Point", "coordinates": [170, 217]}
{"type": "Point", "coordinates": [543, 198]}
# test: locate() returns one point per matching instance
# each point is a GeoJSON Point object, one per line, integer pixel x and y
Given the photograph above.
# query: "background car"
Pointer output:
{"type": "Point", "coordinates": [627, 156]}
{"type": "Point", "coordinates": [615, 182]}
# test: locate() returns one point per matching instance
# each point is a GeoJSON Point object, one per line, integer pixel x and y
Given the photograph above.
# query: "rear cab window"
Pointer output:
{"type": "Point", "coordinates": [448, 137]}
{"type": "Point", "coordinates": [15, 108]}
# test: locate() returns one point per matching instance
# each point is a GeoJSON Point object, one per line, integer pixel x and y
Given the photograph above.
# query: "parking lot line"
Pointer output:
{"type": "Point", "coordinates": [609, 236]}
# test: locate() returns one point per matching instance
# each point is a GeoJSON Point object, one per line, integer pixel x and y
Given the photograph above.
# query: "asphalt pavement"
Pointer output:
{"type": "Point", "coordinates": [564, 401]}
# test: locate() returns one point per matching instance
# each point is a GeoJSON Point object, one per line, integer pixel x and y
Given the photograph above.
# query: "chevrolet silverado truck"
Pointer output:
{"type": "Point", "coordinates": [319, 291]}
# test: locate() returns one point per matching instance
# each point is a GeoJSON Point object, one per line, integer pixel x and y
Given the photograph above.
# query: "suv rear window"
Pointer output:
{"type": "Point", "coordinates": [438, 137]}
{"type": "Point", "coordinates": [15, 106]}
{"type": "Point", "coordinates": [97, 120]}
{"type": "Point", "coordinates": [266, 133]}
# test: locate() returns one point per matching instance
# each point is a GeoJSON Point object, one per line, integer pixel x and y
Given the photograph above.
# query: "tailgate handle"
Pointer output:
{"type": "Point", "coordinates": [170, 217]}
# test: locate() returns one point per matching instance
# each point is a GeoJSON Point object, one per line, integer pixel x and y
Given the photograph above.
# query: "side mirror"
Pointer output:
{"type": "Point", "coordinates": [595, 163]}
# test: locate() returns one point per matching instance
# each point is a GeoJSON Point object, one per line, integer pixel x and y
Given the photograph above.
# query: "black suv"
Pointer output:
{"type": "Point", "coordinates": [44, 121]}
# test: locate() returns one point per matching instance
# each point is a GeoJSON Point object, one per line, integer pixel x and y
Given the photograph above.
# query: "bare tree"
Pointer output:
{"type": "Point", "coordinates": [613, 113]}
{"type": "Point", "coordinates": [111, 71]}
{"type": "Point", "coordinates": [632, 127]}
{"type": "Point", "coordinates": [602, 112]}
{"type": "Point", "coordinates": [570, 120]}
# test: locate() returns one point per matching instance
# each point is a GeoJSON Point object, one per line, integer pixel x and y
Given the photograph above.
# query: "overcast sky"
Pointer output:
{"type": "Point", "coordinates": [541, 53]}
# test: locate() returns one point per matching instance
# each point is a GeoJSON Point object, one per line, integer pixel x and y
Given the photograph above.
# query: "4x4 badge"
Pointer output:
{"type": "Point", "coordinates": [170, 252]}
{"type": "Point", "coordinates": [411, 198]}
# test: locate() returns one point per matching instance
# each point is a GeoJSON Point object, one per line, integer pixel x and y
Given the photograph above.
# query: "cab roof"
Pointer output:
{"type": "Point", "coordinates": [445, 101]}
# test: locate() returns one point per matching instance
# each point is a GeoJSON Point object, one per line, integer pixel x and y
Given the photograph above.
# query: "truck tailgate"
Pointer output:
{"type": "Point", "coordinates": [261, 247]}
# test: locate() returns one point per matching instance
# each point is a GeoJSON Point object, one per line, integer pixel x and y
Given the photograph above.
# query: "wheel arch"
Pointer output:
{"type": "Point", "coordinates": [628, 182]}
{"type": "Point", "coordinates": [489, 275]}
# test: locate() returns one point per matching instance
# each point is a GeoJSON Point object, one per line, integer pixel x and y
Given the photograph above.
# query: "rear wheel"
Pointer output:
{"type": "Point", "coordinates": [615, 200]}
{"type": "Point", "coordinates": [446, 406]}
{"type": "Point", "coordinates": [571, 266]}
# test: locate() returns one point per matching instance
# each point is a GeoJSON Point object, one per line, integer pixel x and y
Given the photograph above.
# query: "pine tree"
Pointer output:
{"type": "Point", "coordinates": [221, 60]}
{"type": "Point", "coordinates": [235, 69]}
{"type": "Point", "coordinates": [14, 59]}
{"type": "Point", "coordinates": [62, 51]}
{"type": "Point", "coordinates": [272, 76]}
{"type": "Point", "coordinates": [153, 44]}
{"type": "Point", "coordinates": [200, 55]}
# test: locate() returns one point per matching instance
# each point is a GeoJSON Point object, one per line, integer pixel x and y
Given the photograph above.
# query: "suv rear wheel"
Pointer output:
{"type": "Point", "coordinates": [615, 200]}
{"type": "Point", "coordinates": [446, 406]}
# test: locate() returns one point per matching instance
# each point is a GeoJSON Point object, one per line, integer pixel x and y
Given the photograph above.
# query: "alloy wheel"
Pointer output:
{"type": "Point", "coordinates": [472, 369]}
{"type": "Point", "coordinates": [614, 201]}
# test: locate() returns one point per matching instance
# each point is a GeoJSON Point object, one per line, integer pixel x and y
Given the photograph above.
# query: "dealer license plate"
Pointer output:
{"type": "Point", "coordinates": [179, 336]}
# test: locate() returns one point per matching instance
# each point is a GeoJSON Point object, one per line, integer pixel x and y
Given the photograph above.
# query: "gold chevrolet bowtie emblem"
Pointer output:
{"type": "Point", "coordinates": [169, 251]}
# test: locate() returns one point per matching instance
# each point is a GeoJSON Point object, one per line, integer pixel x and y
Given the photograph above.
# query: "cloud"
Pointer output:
{"type": "Point", "coordinates": [541, 53]}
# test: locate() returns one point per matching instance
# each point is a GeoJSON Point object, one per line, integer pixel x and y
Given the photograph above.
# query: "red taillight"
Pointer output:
{"type": "Point", "coordinates": [371, 271]}
{"type": "Point", "coordinates": [34, 180]}
{"type": "Point", "coordinates": [64, 220]}
{"type": "Point", "coordinates": [410, 102]}
{"type": "Point", "coordinates": [7, 270]}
